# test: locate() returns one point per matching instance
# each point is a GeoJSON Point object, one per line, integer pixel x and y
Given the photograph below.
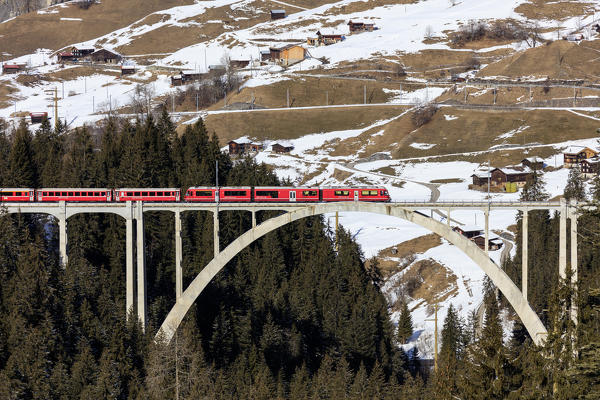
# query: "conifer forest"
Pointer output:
{"type": "Point", "coordinates": [294, 316]}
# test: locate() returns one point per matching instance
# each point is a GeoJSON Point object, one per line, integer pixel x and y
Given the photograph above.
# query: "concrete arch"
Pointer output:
{"type": "Point", "coordinates": [532, 323]}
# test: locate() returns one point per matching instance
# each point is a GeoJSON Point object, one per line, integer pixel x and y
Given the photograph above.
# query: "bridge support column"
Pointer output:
{"type": "Point", "coordinates": [487, 232]}
{"type": "Point", "coordinates": [129, 285]}
{"type": "Point", "coordinates": [178, 257]}
{"type": "Point", "coordinates": [562, 241]}
{"type": "Point", "coordinates": [448, 218]}
{"type": "Point", "coordinates": [525, 253]}
{"type": "Point", "coordinates": [253, 219]}
{"type": "Point", "coordinates": [141, 266]}
{"type": "Point", "coordinates": [574, 277]}
{"type": "Point", "coordinates": [216, 232]}
{"type": "Point", "coordinates": [62, 234]}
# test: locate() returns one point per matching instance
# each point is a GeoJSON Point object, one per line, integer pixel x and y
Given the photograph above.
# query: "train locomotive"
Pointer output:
{"type": "Point", "coordinates": [200, 194]}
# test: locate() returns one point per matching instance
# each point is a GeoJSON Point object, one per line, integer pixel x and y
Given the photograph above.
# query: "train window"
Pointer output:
{"type": "Point", "coordinates": [342, 193]}
{"type": "Point", "coordinates": [309, 193]}
{"type": "Point", "coordinates": [129, 193]}
{"type": "Point", "coordinates": [136, 193]}
{"type": "Point", "coordinates": [234, 193]}
{"type": "Point", "coordinates": [70, 194]}
{"type": "Point", "coordinates": [268, 193]}
{"type": "Point", "coordinates": [153, 194]}
{"type": "Point", "coordinates": [205, 193]}
{"type": "Point", "coordinates": [368, 192]}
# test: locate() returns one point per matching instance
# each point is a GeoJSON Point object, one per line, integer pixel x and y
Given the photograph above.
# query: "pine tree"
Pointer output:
{"type": "Point", "coordinates": [450, 355]}
{"type": "Point", "coordinates": [23, 172]}
{"type": "Point", "coordinates": [534, 189]}
{"type": "Point", "coordinates": [575, 188]}
{"type": "Point", "coordinates": [405, 327]}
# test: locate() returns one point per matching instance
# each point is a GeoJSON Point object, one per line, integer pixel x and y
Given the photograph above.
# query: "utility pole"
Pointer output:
{"type": "Point", "coordinates": [435, 336]}
{"type": "Point", "coordinates": [489, 178]}
{"type": "Point", "coordinates": [288, 97]}
{"type": "Point", "coordinates": [364, 94]}
{"type": "Point", "coordinates": [337, 225]}
{"type": "Point", "coordinates": [326, 98]}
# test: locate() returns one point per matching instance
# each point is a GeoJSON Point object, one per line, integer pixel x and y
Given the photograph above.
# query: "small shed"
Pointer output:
{"type": "Point", "coordinates": [494, 243]}
{"type": "Point", "coordinates": [240, 63]}
{"type": "Point", "coordinates": [481, 178]}
{"type": "Point", "coordinates": [265, 55]}
{"type": "Point", "coordinates": [176, 80]}
{"type": "Point", "coordinates": [358, 27]}
{"type": "Point", "coordinates": [288, 54]}
{"type": "Point", "coordinates": [104, 56]}
{"type": "Point", "coordinates": [277, 148]}
{"type": "Point", "coordinates": [38, 117]}
{"type": "Point", "coordinates": [277, 14]}
{"type": "Point", "coordinates": [65, 56]}
{"type": "Point", "coordinates": [128, 69]}
{"type": "Point", "coordinates": [12, 68]}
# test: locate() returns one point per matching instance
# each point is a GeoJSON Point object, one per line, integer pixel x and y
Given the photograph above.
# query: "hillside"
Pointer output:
{"type": "Point", "coordinates": [504, 85]}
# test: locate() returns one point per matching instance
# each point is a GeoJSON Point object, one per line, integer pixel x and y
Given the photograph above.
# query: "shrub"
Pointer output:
{"type": "Point", "coordinates": [423, 114]}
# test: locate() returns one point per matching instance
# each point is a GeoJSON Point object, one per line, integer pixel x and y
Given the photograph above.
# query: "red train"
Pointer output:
{"type": "Point", "coordinates": [242, 194]}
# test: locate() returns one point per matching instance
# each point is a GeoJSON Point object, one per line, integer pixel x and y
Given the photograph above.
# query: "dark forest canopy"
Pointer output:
{"type": "Point", "coordinates": [290, 317]}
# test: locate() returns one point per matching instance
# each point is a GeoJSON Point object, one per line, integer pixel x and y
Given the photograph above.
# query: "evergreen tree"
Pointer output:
{"type": "Point", "coordinates": [450, 356]}
{"type": "Point", "coordinates": [575, 188]}
{"type": "Point", "coordinates": [23, 172]}
{"type": "Point", "coordinates": [405, 327]}
{"type": "Point", "coordinates": [534, 189]}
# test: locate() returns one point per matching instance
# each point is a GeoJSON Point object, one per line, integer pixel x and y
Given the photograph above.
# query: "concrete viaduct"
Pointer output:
{"type": "Point", "coordinates": [415, 212]}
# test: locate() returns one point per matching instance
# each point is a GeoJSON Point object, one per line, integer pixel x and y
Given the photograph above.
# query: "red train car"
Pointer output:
{"type": "Point", "coordinates": [201, 194]}
{"type": "Point", "coordinates": [235, 194]}
{"type": "Point", "coordinates": [74, 194]}
{"type": "Point", "coordinates": [147, 194]}
{"type": "Point", "coordinates": [285, 194]}
{"type": "Point", "coordinates": [17, 195]}
{"type": "Point", "coordinates": [355, 194]}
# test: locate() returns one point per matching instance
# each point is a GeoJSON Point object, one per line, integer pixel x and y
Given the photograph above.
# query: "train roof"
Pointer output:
{"type": "Point", "coordinates": [15, 189]}
{"type": "Point", "coordinates": [353, 187]}
{"type": "Point", "coordinates": [153, 189]}
{"type": "Point", "coordinates": [78, 189]}
{"type": "Point", "coordinates": [201, 187]}
{"type": "Point", "coordinates": [286, 187]}
{"type": "Point", "coordinates": [235, 187]}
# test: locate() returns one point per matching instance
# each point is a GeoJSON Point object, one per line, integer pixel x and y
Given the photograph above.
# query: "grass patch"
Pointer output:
{"type": "Point", "coordinates": [553, 10]}
{"type": "Point", "coordinates": [294, 123]}
{"type": "Point", "coordinates": [449, 180]}
{"type": "Point", "coordinates": [387, 170]}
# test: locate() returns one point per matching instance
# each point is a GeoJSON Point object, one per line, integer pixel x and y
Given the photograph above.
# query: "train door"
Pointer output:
{"type": "Point", "coordinates": [355, 195]}
{"type": "Point", "coordinates": [31, 195]}
{"type": "Point", "coordinates": [217, 196]}
{"type": "Point", "coordinates": [292, 195]}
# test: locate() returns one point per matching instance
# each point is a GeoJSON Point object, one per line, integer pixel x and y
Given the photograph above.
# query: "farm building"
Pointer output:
{"type": "Point", "coordinates": [325, 40]}
{"type": "Point", "coordinates": [481, 178]}
{"type": "Point", "coordinates": [243, 147]}
{"type": "Point", "coordinates": [265, 55]}
{"type": "Point", "coordinates": [574, 155]}
{"type": "Point", "coordinates": [358, 27]}
{"type": "Point", "coordinates": [468, 231]}
{"type": "Point", "coordinates": [494, 242]}
{"type": "Point", "coordinates": [277, 14]}
{"type": "Point", "coordinates": [65, 56]}
{"type": "Point", "coordinates": [239, 63]}
{"type": "Point", "coordinates": [533, 163]}
{"type": "Point", "coordinates": [277, 148]}
{"type": "Point", "coordinates": [127, 69]}
{"type": "Point", "coordinates": [590, 167]}
{"type": "Point", "coordinates": [38, 117]}
{"type": "Point", "coordinates": [516, 175]}
{"type": "Point", "coordinates": [81, 52]}
{"type": "Point", "coordinates": [288, 54]}
{"type": "Point", "coordinates": [104, 56]}
{"type": "Point", "coordinates": [12, 68]}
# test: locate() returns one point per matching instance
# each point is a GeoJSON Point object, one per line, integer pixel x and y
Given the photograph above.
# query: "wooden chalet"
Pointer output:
{"type": "Point", "coordinates": [481, 178]}
{"type": "Point", "coordinates": [533, 163]}
{"type": "Point", "coordinates": [325, 40]}
{"type": "Point", "coordinates": [265, 55]}
{"type": "Point", "coordinates": [82, 52]}
{"type": "Point", "coordinates": [12, 68]}
{"type": "Point", "coordinates": [358, 27]}
{"type": "Point", "coordinates": [517, 175]}
{"type": "Point", "coordinates": [277, 14]}
{"type": "Point", "coordinates": [217, 68]}
{"type": "Point", "coordinates": [590, 167]}
{"type": "Point", "coordinates": [288, 55]}
{"type": "Point", "coordinates": [186, 77]}
{"type": "Point", "coordinates": [104, 56]}
{"type": "Point", "coordinates": [277, 148]}
{"type": "Point", "coordinates": [38, 117]}
{"type": "Point", "coordinates": [238, 148]}
{"type": "Point", "coordinates": [239, 63]}
{"type": "Point", "coordinates": [574, 155]}
{"type": "Point", "coordinates": [468, 231]}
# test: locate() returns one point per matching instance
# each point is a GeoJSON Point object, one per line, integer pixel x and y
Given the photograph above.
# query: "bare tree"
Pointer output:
{"type": "Point", "coordinates": [141, 98]}
{"type": "Point", "coordinates": [534, 34]}
{"type": "Point", "coordinates": [453, 2]}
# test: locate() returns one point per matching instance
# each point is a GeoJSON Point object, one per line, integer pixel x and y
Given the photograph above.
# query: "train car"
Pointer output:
{"type": "Point", "coordinates": [147, 194]}
{"type": "Point", "coordinates": [17, 195]}
{"type": "Point", "coordinates": [235, 194]}
{"type": "Point", "coordinates": [201, 194]}
{"type": "Point", "coordinates": [367, 193]}
{"type": "Point", "coordinates": [285, 194]}
{"type": "Point", "coordinates": [75, 194]}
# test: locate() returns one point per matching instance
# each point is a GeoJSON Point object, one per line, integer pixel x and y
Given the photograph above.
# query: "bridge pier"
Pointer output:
{"type": "Point", "coordinates": [253, 219]}
{"type": "Point", "coordinates": [129, 285]}
{"type": "Point", "coordinates": [524, 253]}
{"type": "Point", "coordinates": [562, 240]}
{"type": "Point", "coordinates": [62, 233]}
{"type": "Point", "coordinates": [178, 257]}
{"type": "Point", "coordinates": [574, 262]}
{"type": "Point", "coordinates": [216, 232]}
{"type": "Point", "coordinates": [141, 266]}
{"type": "Point", "coordinates": [487, 232]}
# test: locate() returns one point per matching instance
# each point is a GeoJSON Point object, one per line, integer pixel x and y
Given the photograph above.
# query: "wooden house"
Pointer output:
{"type": "Point", "coordinates": [325, 40]}
{"type": "Point", "coordinates": [358, 27]}
{"type": "Point", "coordinates": [277, 148]}
{"type": "Point", "coordinates": [265, 55]}
{"type": "Point", "coordinates": [533, 163]}
{"type": "Point", "coordinates": [38, 117]}
{"type": "Point", "coordinates": [590, 167]}
{"type": "Point", "coordinates": [481, 178]}
{"type": "Point", "coordinates": [515, 175]}
{"type": "Point", "coordinates": [574, 155]}
{"type": "Point", "coordinates": [288, 54]}
{"type": "Point", "coordinates": [12, 68]}
{"type": "Point", "coordinates": [468, 231]}
{"type": "Point", "coordinates": [240, 63]}
{"type": "Point", "coordinates": [82, 52]}
{"type": "Point", "coordinates": [240, 147]}
{"type": "Point", "coordinates": [104, 56]}
{"type": "Point", "coordinates": [277, 14]}
{"type": "Point", "coordinates": [176, 80]}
